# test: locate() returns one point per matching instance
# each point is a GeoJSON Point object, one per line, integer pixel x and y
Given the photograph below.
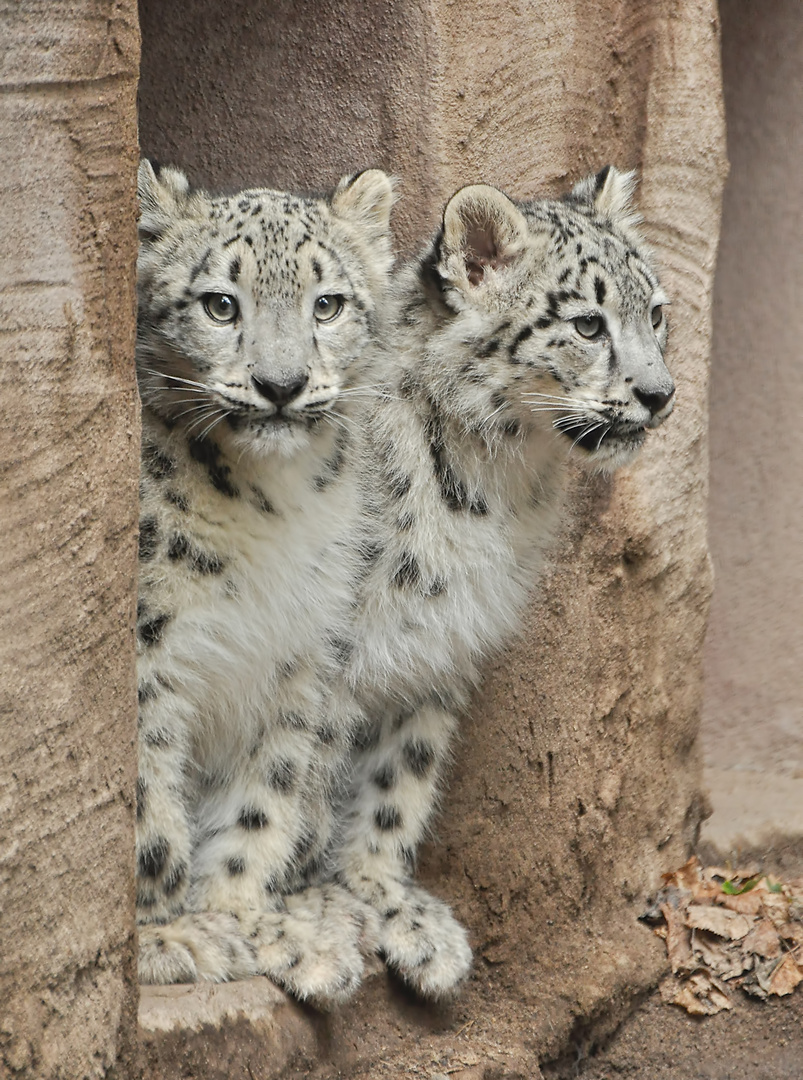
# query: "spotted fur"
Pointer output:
{"type": "Point", "coordinates": [258, 317]}
{"type": "Point", "coordinates": [526, 335]}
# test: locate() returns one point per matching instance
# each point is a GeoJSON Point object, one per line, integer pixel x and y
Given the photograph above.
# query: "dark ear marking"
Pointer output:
{"type": "Point", "coordinates": [600, 178]}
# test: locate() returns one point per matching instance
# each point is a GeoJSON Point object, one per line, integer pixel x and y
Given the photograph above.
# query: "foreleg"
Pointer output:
{"type": "Point", "coordinates": [396, 788]}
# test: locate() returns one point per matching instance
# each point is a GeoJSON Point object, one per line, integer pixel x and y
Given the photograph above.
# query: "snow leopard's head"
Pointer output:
{"type": "Point", "coordinates": [565, 311]}
{"type": "Point", "coordinates": [257, 311]}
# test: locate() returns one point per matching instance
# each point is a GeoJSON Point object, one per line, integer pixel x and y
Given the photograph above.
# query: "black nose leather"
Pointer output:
{"type": "Point", "coordinates": [654, 400]}
{"type": "Point", "coordinates": [280, 393]}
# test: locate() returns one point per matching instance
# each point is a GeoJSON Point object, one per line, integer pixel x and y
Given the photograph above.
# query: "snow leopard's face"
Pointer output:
{"type": "Point", "coordinates": [257, 311]}
{"type": "Point", "coordinates": [567, 314]}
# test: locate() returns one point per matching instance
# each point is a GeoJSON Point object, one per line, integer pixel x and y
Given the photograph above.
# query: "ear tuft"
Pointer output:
{"type": "Point", "coordinates": [162, 198]}
{"type": "Point", "coordinates": [366, 200]}
{"type": "Point", "coordinates": [610, 194]}
{"type": "Point", "coordinates": [482, 230]}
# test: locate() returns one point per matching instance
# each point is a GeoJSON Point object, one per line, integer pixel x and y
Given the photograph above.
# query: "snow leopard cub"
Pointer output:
{"type": "Point", "coordinates": [527, 334]}
{"type": "Point", "coordinates": [258, 316]}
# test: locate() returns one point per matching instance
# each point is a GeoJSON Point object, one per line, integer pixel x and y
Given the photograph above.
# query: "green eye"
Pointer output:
{"type": "Point", "coordinates": [589, 326]}
{"type": "Point", "coordinates": [328, 308]}
{"type": "Point", "coordinates": [221, 307]}
{"type": "Point", "coordinates": [657, 316]}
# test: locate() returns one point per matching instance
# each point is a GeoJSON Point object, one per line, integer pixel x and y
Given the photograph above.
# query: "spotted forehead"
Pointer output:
{"type": "Point", "coordinates": [593, 257]}
{"type": "Point", "coordinates": [288, 236]}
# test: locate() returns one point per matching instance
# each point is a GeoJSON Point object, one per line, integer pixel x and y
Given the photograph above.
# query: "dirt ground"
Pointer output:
{"type": "Point", "coordinates": [756, 1041]}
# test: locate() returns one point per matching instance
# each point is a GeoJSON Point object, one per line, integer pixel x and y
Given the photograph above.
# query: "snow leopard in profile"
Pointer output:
{"type": "Point", "coordinates": [527, 334]}
{"type": "Point", "coordinates": [258, 317]}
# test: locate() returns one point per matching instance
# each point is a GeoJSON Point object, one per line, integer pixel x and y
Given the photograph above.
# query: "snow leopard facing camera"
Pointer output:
{"type": "Point", "coordinates": [259, 316]}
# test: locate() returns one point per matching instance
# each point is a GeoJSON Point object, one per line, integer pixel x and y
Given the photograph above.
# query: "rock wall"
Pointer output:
{"type": "Point", "coordinates": [68, 487]}
{"type": "Point", "coordinates": [753, 714]}
{"type": "Point", "coordinates": [577, 781]}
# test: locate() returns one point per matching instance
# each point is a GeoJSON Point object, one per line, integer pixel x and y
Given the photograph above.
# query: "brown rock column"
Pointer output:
{"type": "Point", "coordinates": [753, 717]}
{"type": "Point", "coordinates": [577, 780]}
{"type": "Point", "coordinates": [68, 476]}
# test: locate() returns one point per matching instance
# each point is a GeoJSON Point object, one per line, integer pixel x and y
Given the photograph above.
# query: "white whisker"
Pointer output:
{"type": "Point", "coordinates": [572, 418]}
{"type": "Point", "coordinates": [338, 418]}
{"type": "Point", "coordinates": [585, 432]}
{"type": "Point", "coordinates": [200, 419]}
{"type": "Point", "coordinates": [207, 430]}
{"type": "Point", "coordinates": [175, 378]}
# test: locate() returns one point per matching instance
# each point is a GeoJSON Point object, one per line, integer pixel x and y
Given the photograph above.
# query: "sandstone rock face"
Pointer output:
{"type": "Point", "coordinates": [577, 780]}
{"type": "Point", "coordinates": [753, 711]}
{"type": "Point", "coordinates": [68, 477]}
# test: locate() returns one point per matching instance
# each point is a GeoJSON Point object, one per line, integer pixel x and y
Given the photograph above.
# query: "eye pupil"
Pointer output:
{"type": "Point", "coordinates": [589, 326]}
{"type": "Point", "coordinates": [221, 307]}
{"type": "Point", "coordinates": [328, 307]}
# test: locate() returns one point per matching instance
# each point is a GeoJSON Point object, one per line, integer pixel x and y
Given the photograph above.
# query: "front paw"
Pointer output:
{"type": "Point", "coordinates": [209, 946]}
{"type": "Point", "coordinates": [315, 947]}
{"type": "Point", "coordinates": [424, 944]}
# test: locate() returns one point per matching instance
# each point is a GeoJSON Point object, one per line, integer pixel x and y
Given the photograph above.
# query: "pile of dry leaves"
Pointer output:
{"type": "Point", "coordinates": [727, 929]}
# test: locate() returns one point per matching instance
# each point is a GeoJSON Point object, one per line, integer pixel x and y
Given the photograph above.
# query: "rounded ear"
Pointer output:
{"type": "Point", "coordinates": [482, 230]}
{"type": "Point", "coordinates": [610, 194]}
{"type": "Point", "coordinates": [366, 201]}
{"type": "Point", "coordinates": [162, 198]}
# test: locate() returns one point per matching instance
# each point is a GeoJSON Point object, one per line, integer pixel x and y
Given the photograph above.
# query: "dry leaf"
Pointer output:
{"type": "Point", "coordinates": [763, 939]}
{"type": "Point", "coordinates": [685, 876]}
{"type": "Point", "coordinates": [700, 995]}
{"type": "Point", "coordinates": [720, 957]}
{"type": "Point", "coordinates": [689, 878]}
{"type": "Point", "coordinates": [710, 873]}
{"type": "Point", "coordinates": [745, 873]}
{"type": "Point", "coordinates": [716, 934]}
{"type": "Point", "coordinates": [776, 907]}
{"type": "Point", "coordinates": [748, 903]}
{"type": "Point", "coordinates": [720, 921]}
{"type": "Point", "coordinates": [678, 940]}
{"type": "Point", "coordinates": [791, 931]}
{"type": "Point", "coordinates": [756, 982]}
{"type": "Point", "coordinates": [785, 977]}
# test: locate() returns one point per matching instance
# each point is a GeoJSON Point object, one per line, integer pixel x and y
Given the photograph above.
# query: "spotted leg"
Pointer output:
{"type": "Point", "coordinates": [163, 833]}
{"type": "Point", "coordinates": [265, 830]}
{"type": "Point", "coordinates": [395, 792]}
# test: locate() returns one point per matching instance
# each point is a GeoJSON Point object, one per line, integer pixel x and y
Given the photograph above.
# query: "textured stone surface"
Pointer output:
{"type": "Point", "coordinates": [68, 488]}
{"type": "Point", "coordinates": [577, 780]}
{"type": "Point", "coordinates": [753, 713]}
{"type": "Point", "coordinates": [208, 1032]}
{"type": "Point", "coordinates": [756, 816]}
{"type": "Point", "coordinates": [292, 95]}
